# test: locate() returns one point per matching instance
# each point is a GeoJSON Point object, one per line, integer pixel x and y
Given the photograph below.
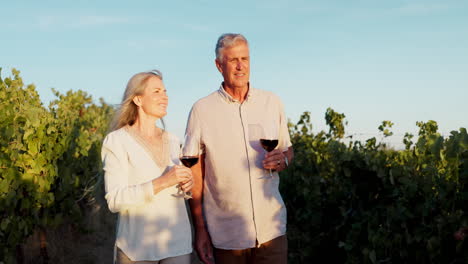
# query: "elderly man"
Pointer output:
{"type": "Point", "coordinates": [238, 212]}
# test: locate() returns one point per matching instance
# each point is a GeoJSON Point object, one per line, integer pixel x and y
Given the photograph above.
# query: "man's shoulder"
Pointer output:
{"type": "Point", "coordinates": [262, 92]}
{"type": "Point", "coordinates": [269, 95]}
{"type": "Point", "coordinates": [206, 100]}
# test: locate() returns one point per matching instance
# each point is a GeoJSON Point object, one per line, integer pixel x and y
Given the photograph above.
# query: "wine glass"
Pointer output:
{"type": "Point", "coordinates": [188, 155]}
{"type": "Point", "coordinates": [268, 140]}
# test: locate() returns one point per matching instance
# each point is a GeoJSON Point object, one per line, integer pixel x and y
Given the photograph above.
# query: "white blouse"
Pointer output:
{"type": "Point", "coordinates": [150, 226]}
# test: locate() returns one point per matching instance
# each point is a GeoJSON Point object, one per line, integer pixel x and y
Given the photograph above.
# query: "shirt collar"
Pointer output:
{"type": "Point", "coordinates": [228, 98]}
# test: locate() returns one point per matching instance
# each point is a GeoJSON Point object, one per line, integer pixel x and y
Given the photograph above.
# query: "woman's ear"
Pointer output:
{"type": "Point", "coordinates": [137, 100]}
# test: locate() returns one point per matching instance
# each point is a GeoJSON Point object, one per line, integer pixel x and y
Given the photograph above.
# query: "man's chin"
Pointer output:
{"type": "Point", "coordinates": [241, 85]}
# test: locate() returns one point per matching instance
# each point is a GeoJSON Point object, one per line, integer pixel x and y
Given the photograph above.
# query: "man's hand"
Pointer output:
{"type": "Point", "coordinates": [274, 160]}
{"type": "Point", "coordinates": [461, 233]}
{"type": "Point", "coordinates": [204, 247]}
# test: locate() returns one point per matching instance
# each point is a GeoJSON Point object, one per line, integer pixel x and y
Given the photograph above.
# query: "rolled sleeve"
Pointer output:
{"type": "Point", "coordinates": [193, 142]}
{"type": "Point", "coordinates": [285, 140]}
{"type": "Point", "coordinates": [120, 195]}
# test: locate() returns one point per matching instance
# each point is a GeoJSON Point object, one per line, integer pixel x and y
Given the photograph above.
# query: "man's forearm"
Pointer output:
{"type": "Point", "coordinates": [289, 154]}
{"type": "Point", "coordinates": [196, 206]}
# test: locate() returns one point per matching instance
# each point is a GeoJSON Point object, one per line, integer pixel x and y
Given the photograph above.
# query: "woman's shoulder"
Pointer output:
{"type": "Point", "coordinates": [116, 136]}
{"type": "Point", "coordinates": [171, 137]}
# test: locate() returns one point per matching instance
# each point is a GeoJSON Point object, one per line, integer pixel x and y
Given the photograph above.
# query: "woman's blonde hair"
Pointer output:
{"type": "Point", "coordinates": [127, 112]}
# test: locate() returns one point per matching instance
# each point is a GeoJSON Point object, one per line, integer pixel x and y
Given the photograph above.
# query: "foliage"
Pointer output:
{"type": "Point", "coordinates": [358, 202]}
{"type": "Point", "coordinates": [366, 203]}
{"type": "Point", "coordinates": [49, 159]}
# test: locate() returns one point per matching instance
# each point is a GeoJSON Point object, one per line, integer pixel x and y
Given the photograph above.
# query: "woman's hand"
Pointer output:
{"type": "Point", "coordinates": [177, 175]}
{"type": "Point", "coordinates": [187, 185]}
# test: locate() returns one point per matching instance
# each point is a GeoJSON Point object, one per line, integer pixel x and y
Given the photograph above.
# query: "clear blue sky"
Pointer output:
{"type": "Point", "coordinates": [374, 60]}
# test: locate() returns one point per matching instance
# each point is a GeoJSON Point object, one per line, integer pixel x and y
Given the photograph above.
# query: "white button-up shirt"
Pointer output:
{"type": "Point", "coordinates": [151, 226]}
{"type": "Point", "coordinates": [241, 202]}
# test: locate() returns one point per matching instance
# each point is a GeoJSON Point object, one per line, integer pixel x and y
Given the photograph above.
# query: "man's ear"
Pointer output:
{"type": "Point", "coordinates": [218, 65]}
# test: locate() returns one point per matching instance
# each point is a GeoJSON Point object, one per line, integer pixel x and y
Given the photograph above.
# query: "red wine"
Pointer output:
{"type": "Point", "coordinates": [269, 144]}
{"type": "Point", "coordinates": [189, 161]}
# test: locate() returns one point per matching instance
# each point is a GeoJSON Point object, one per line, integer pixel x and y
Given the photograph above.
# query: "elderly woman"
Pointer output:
{"type": "Point", "coordinates": [142, 174]}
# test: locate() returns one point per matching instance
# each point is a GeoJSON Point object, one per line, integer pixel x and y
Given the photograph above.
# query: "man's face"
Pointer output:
{"type": "Point", "coordinates": [235, 65]}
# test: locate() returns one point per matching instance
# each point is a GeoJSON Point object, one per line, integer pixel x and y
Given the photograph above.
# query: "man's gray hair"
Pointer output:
{"type": "Point", "coordinates": [228, 40]}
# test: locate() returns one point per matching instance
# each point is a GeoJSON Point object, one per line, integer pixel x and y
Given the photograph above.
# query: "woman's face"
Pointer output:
{"type": "Point", "coordinates": [154, 99]}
